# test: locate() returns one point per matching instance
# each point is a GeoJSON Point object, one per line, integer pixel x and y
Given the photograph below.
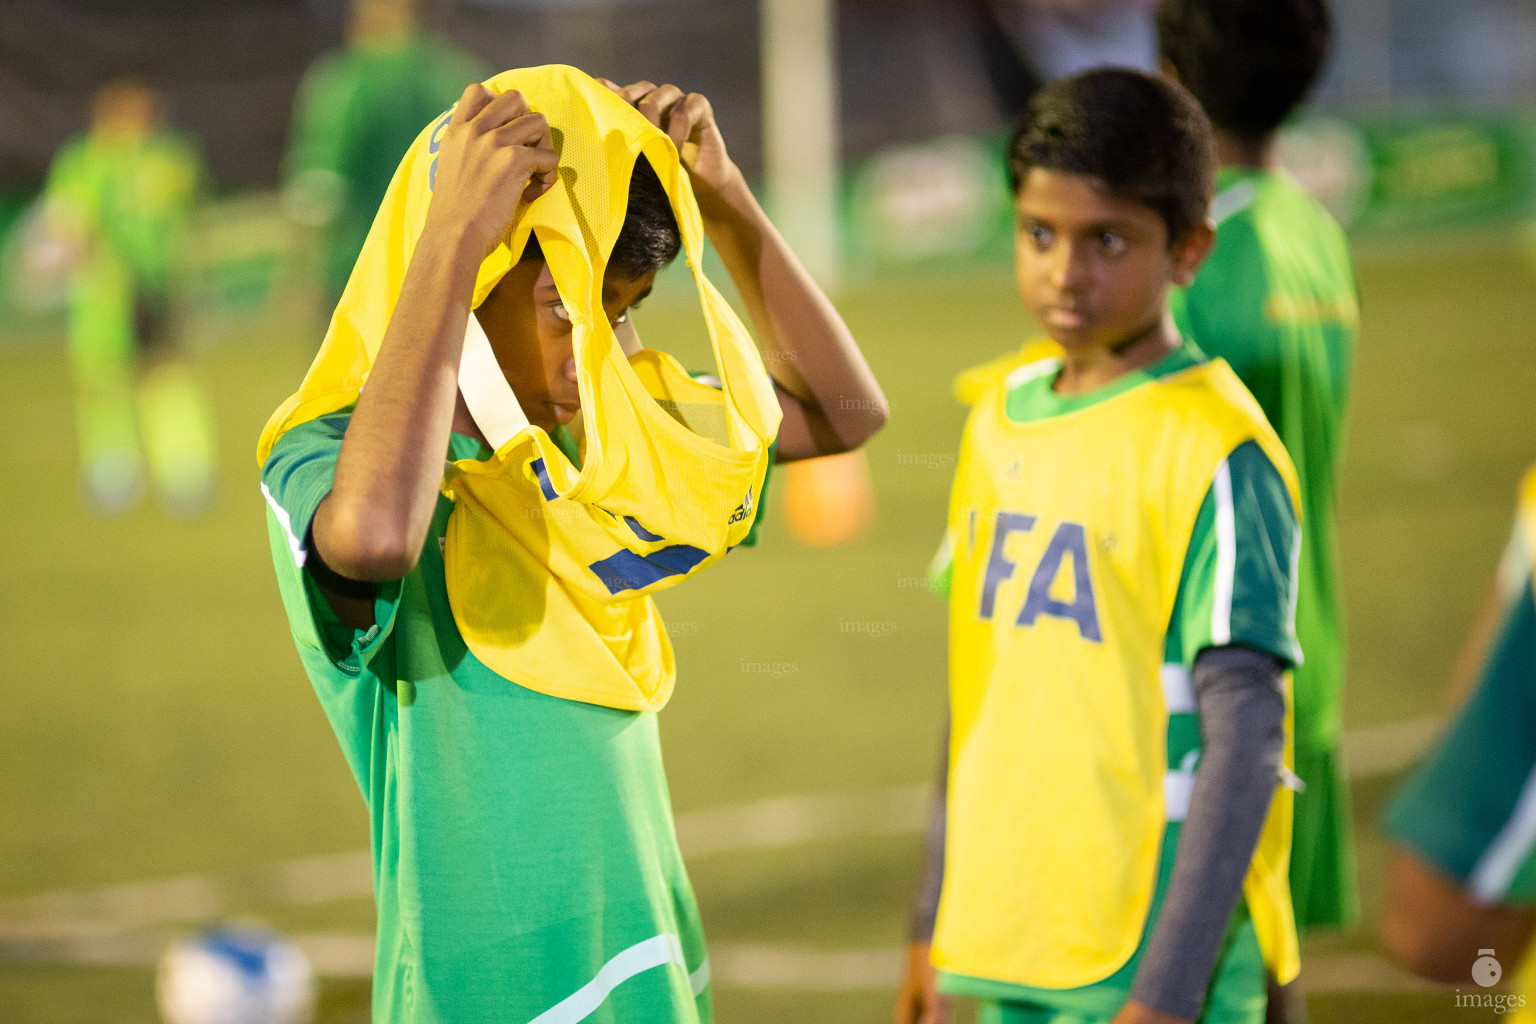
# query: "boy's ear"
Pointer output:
{"type": "Point", "coordinates": [1191, 250]}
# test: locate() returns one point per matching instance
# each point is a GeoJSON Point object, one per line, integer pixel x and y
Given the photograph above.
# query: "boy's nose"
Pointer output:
{"type": "Point", "coordinates": [1070, 271]}
{"type": "Point", "coordinates": [568, 371]}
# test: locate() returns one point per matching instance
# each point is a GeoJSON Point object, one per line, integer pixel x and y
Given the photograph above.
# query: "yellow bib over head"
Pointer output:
{"type": "Point", "coordinates": [1058, 737]}
{"type": "Point", "coordinates": [550, 567]}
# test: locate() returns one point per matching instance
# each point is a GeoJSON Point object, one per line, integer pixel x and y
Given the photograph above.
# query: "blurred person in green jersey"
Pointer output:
{"type": "Point", "coordinates": [1462, 883]}
{"type": "Point", "coordinates": [1277, 301]}
{"type": "Point", "coordinates": [358, 110]}
{"type": "Point", "coordinates": [117, 204]}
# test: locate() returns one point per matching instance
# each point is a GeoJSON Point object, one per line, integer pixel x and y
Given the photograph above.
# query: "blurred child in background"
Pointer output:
{"type": "Point", "coordinates": [358, 111]}
{"type": "Point", "coordinates": [117, 205]}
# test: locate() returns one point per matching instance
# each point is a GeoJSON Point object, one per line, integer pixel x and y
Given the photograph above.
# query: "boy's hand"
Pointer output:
{"type": "Point", "coordinates": [1135, 1013]}
{"type": "Point", "coordinates": [494, 156]}
{"type": "Point", "coordinates": [689, 121]}
{"type": "Point", "coordinates": [919, 1000]}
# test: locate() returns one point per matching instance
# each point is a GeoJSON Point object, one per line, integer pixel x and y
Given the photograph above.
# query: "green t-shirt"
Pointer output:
{"type": "Point", "coordinates": [358, 111]}
{"type": "Point", "coordinates": [525, 862]}
{"type": "Point", "coordinates": [1277, 300]}
{"type": "Point", "coordinates": [1470, 808]}
{"type": "Point", "coordinates": [1239, 585]}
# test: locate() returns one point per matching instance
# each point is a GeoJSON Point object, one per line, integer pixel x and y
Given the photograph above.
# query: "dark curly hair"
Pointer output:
{"type": "Point", "coordinates": [649, 239]}
{"type": "Point", "coordinates": [1248, 62]}
{"type": "Point", "coordinates": [1144, 137]}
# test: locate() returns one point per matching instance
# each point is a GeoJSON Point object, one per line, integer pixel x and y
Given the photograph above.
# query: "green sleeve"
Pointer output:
{"type": "Point", "coordinates": [1238, 583]}
{"type": "Point", "coordinates": [750, 540]}
{"type": "Point", "coordinates": [1470, 808]}
{"type": "Point", "coordinates": [941, 570]}
{"type": "Point", "coordinates": [69, 190]}
{"type": "Point", "coordinates": [296, 477]}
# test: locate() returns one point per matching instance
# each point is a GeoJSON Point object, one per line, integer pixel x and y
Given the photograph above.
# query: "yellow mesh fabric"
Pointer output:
{"type": "Point", "coordinates": [550, 568]}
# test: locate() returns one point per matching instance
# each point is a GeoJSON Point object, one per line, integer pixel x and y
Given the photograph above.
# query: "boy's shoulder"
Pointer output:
{"type": "Point", "coordinates": [971, 385]}
{"type": "Point", "coordinates": [1213, 392]}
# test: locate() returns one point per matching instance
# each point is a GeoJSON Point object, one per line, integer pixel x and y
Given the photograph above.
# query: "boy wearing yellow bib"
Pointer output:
{"type": "Point", "coordinates": [1122, 560]}
{"type": "Point", "coordinates": [475, 492]}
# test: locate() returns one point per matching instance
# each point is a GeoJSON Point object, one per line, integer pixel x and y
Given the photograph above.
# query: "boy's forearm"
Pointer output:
{"type": "Point", "coordinates": [375, 520]}
{"type": "Point", "coordinates": [1242, 723]}
{"type": "Point", "coordinates": [808, 348]}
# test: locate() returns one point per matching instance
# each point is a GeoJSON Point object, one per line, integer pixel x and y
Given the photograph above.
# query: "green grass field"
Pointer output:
{"type": "Point", "coordinates": [158, 724]}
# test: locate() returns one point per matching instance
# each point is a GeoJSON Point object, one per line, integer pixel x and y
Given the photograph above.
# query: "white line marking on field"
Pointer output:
{"type": "Point", "coordinates": [732, 965]}
{"type": "Point", "coordinates": [763, 824]}
{"type": "Point", "coordinates": [336, 876]}
{"type": "Point", "coordinates": [795, 967]}
{"type": "Point", "coordinates": [125, 923]}
{"type": "Point", "coordinates": [801, 819]}
{"type": "Point", "coordinates": [1359, 972]}
{"type": "Point", "coordinates": [1388, 748]}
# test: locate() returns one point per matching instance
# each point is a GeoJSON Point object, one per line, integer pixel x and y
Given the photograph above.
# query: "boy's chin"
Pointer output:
{"type": "Point", "coordinates": [1076, 339]}
{"type": "Point", "coordinates": [548, 415]}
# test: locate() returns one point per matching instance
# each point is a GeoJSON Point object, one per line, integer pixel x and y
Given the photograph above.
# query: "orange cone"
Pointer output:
{"type": "Point", "coordinates": [830, 500]}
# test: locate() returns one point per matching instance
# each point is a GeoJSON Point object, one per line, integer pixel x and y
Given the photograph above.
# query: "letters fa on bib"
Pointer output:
{"type": "Point", "coordinates": [551, 567]}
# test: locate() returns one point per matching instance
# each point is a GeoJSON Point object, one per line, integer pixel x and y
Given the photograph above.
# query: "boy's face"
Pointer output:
{"type": "Point", "coordinates": [530, 332]}
{"type": "Point", "coordinates": [1093, 267]}
{"type": "Point", "coordinates": [125, 109]}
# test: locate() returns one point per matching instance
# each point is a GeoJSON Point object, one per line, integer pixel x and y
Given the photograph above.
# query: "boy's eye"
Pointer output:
{"type": "Point", "coordinates": [1111, 243]}
{"type": "Point", "coordinates": [1040, 235]}
{"type": "Point", "coordinates": [622, 318]}
{"type": "Point", "coordinates": [560, 312]}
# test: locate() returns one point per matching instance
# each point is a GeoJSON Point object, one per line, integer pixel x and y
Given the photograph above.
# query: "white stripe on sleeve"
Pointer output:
{"type": "Point", "coordinates": [1226, 557]}
{"type": "Point", "coordinates": [1496, 869]}
{"type": "Point", "coordinates": [295, 545]}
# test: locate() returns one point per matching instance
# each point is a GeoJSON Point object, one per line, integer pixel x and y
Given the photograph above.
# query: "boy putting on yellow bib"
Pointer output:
{"type": "Point", "coordinates": [1123, 542]}
{"type": "Point", "coordinates": [474, 493]}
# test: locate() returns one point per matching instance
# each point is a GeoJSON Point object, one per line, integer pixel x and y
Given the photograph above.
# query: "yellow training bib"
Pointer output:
{"type": "Point", "coordinates": [550, 568]}
{"type": "Point", "coordinates": [1069, 540]}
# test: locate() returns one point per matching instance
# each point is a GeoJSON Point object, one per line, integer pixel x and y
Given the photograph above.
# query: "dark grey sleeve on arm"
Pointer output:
{"type": "Point", "coordinates": [925, 905]}
{"type": "Point", "coordinates": [1240, 696]}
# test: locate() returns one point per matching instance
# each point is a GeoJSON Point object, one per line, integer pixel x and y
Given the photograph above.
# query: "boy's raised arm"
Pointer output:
{"type": "Point", "coordinates": [828, 393]}
{"type": "Point", "coordinates": [372, 525]}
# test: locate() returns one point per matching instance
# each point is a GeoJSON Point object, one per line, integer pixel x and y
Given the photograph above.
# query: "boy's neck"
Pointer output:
{"type": "Point", "coordinates": [1087, 369]}
{"type": "Point", "coordinates": [1233, 151]}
